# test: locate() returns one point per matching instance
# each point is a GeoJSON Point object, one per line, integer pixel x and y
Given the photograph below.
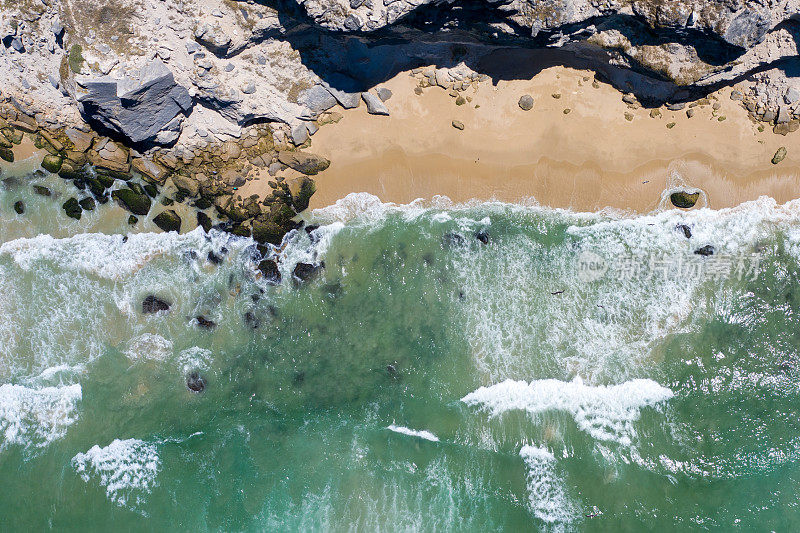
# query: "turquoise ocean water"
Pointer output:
{"type": "Point", "coordinates": [482, 367]}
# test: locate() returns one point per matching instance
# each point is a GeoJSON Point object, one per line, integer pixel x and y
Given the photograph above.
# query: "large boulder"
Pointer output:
{"type": "Point", "coordinates": [136, 203]}
{"type": "Point", "coordinates": [684, 199]}
{"type": "Point", "coordinates": [146, 108]}
{"type": "Point", "coordinates": [168, 221]}
{"type": "Point", "coordinates": [304, 162]}
{"type": "Point", "coordinates": [52, 163]}
{"type": "Point", "coordinates": [301, 189]}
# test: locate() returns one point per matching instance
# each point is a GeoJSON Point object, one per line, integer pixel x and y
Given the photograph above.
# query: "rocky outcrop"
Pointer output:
{"type": "Point", "coordinates": [147, 106]}
{"type": "Point", "coordinates": [138, 76]}
{"type": "Point", "coordinates": [193, 99]}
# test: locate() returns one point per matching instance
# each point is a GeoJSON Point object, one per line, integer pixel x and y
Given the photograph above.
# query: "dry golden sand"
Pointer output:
{"type": "Point", "coordinates": [586, 160]}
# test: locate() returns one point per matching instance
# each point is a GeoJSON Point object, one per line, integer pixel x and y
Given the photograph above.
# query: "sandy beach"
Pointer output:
{"type": "Point", "coordinates": [586, 158]}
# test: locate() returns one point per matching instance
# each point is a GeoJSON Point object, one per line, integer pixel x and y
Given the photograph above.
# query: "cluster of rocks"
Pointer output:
{"type": "Point", "coordinates": [102, 169]}
{"type": "Point", "coordinates": [173, 89]}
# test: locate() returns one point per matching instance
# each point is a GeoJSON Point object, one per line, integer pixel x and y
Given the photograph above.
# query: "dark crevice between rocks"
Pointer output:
{"type": "Point", "coordinates": [366, 59]}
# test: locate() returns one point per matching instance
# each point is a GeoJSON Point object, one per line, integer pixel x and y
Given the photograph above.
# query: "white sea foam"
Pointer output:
{"type": "Point", "coordinates": [195, 358]}
{"type": "Point", "coordinates": [423, 434]}
{"type": "Point", "coordinates": [606, 413]}
{"type": "Point", "coordinates": [107, 256]}
{"type": "Point", "coordinates": [149, 346]}
{"type": "Point", "coordinates": [126, 468]}
{"type": "Point", "coordinates": [547, 496]}
{"type": "Point", "coordinates": [36, 417]}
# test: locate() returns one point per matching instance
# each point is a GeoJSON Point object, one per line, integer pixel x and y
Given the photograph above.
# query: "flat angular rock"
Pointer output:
{"type": "Point", "coordinates": [142, 109]}
{"type": "Point", "coordinates": [374, 104]}
{"type": "Point", "coordinates": [317, 99]}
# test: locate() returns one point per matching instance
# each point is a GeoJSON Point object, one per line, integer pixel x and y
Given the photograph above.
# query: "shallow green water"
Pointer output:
{"type": "Point", "coordinates": [426, 381]}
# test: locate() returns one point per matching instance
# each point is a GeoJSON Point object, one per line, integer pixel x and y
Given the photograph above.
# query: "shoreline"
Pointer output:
{"type": "Point", "coordinates": [549, 156]}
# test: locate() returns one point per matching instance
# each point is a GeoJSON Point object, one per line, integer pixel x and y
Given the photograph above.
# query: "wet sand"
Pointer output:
{"type": "Point", "coordinates": [586, 160]}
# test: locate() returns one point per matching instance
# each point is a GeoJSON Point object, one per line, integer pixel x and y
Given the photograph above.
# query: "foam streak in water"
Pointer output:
{"type": "Point", "coordinates": [423, 434]}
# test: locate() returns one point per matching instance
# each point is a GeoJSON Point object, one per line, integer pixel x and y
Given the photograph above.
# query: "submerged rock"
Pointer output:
{"type": "Point", "coordinates": [195, 382]}
{"type": "Point", "coordinates": [705, 250]}
{"type": "Point", "coordinates": [19, 207]}
{"type": "Point", "coordinates": [168, 221]}
{"type": "Point", "coordinates": [307, 271]}
{"type": "Point", "coordinates": [482, 236]}
{"type": "Point", "coordinates": [687, 232]}
{"type": "Point", "coordinates": [42, 191]}
{"type": "Point", "coordinates": [684, 199]}
{"type": "Point", "coordinates": [269, 269]}
{"type": "Point", "coordinates": [452, 240]}
{"type": "Point", "coordinates": [152, 304]}
{"type": "Point", "coordinates": [205, 323]}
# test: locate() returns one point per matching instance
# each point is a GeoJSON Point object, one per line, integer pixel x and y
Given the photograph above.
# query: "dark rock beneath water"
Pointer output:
{"type": "Point", "coordinates": [152, 304]}
{"type": "Point", "coordinates": [251, 320]}
{"type": "Point", "coordinates": [687, 232]}
{"type": "Point", "coordinates": [214, 258]}
{"type": "Point", "coordinates": [135, 202]}
{"type": "Point", "coordinates": [482, 236]}
{"type": "Point", "coordinates": [307, 271]}
{"type": "Point", "coordinates": [19, 207]}
{"type": "Point", "coordinates": [204, 323]}
{"type": "Point", "coordinates": [195, 382]}
{"type": "Point", "coordinates": [168, 221]}
{"type": "Point", "coordinates": [684, 199]}
{"type": "Point", "coordinates": [705, 250]}
{"type": "Point", "coordinates": [10, 183]}
{"type": "Point", "coordinates": [452, 240]}
{"type": "Point", "coordinates": [41, 191]}
{"type": "Point", "coordinates": [72, 208]}
{"type": "Point", "coordinates": [133, 219]}
{"type": "Point", "coordinates": [269, 269]}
